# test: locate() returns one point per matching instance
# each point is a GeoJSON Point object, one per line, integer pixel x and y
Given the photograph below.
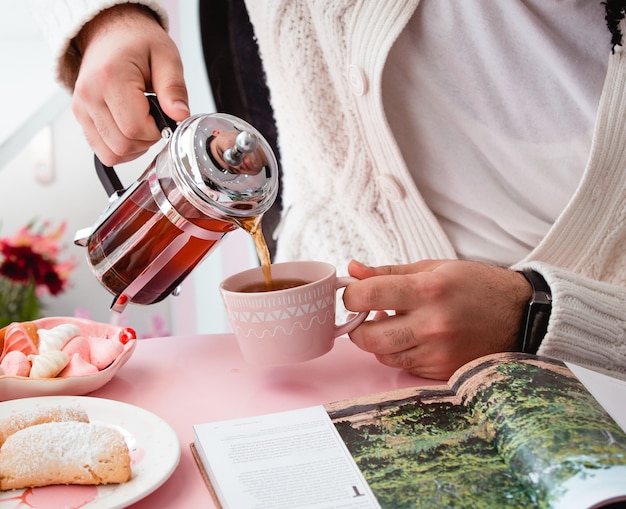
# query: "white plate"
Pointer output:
{"type": "Point", "coordinates": [153, 444]}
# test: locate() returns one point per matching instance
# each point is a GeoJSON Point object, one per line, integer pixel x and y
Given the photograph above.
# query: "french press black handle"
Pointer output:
{"type": "Point", "coordinates": [107, 175]}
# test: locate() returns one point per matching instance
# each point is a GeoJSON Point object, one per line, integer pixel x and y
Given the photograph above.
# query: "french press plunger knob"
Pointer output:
{"type": "Point", "coordinates": [245, 143]}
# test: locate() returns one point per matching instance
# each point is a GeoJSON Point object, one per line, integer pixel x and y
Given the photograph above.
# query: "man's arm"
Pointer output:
{"type": "Point", "coordinates": [109, 54]}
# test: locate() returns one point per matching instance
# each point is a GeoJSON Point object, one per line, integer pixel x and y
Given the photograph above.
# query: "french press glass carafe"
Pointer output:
{"type": "Point", "coordinates": [216, 172]}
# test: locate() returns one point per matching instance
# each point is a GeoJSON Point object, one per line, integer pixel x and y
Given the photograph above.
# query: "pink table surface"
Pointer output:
{"type": "Point", "coordinates": [195, 379]}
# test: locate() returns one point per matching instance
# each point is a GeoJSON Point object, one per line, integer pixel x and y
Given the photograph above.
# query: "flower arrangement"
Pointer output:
{"type": "Point", "coordinates": [29, 269]}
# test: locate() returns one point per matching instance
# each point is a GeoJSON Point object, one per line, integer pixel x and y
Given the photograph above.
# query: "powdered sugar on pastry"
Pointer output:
{"type": "Point", "coordinates": [39, 415]}
{"type": "Point", "coordinates": [64, 453]}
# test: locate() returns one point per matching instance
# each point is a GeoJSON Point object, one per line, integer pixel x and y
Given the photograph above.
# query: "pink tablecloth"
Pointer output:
{"type": "Point", "coordinates": [189, 380]}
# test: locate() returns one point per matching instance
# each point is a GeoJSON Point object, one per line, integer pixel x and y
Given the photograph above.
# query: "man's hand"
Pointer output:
{"type": "Point", "coordinates": [445, 313]}
{"type": "Point", "coordinates": [125, 52]}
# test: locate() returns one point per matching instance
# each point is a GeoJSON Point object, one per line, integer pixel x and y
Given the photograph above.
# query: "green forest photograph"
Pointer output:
{"type": "Point", "coordinates": [509, 431]}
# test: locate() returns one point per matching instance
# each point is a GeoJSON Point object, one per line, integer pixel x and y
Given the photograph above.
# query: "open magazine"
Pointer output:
{"type": "Point", "coordinates": [508, 430]}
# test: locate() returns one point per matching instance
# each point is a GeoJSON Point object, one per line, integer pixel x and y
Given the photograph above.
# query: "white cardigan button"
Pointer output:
{"type": "Point", "coordinates": [357, 80]}
{"type": "Point", "coordinates": [390, 187]}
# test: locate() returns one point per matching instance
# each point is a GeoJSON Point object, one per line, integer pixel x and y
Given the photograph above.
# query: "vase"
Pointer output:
{"type": "Point", "coordinates": [18, 301]}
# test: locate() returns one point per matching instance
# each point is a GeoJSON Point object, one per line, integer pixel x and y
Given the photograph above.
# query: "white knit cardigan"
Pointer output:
{"type": "Point", "coordinates": [347, 192]}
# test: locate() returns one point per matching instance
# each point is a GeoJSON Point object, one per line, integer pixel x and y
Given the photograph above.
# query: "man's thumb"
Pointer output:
{"type": "Point", "coordinates": [175, 107]}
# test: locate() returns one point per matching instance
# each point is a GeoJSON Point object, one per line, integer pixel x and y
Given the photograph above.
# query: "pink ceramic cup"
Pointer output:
{"type": "Point", "coordinates": [291, 325]}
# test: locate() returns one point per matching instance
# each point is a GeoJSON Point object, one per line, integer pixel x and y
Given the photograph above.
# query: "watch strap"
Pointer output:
{"type": "Point", "coordinates": [534, 324]}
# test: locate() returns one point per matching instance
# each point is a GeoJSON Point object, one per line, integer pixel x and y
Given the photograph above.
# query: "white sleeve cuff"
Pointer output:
{"type": "Point", "coordinates": [587, 323]}
{"type": "Point", "coordinates": [61, 20]}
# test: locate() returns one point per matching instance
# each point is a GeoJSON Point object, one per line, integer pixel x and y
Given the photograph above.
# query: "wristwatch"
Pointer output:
{"type": "Point", "coordinates": [536, 315]}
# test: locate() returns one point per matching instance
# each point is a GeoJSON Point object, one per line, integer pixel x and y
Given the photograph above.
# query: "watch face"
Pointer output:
{"type": "Point", "coordinates": [537, 313]}
{"type": "Point", "coordinates": [542, 299]}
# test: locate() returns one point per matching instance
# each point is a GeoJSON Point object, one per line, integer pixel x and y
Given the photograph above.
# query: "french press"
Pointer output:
{"type": "Point", "coordinates": [215, 173]}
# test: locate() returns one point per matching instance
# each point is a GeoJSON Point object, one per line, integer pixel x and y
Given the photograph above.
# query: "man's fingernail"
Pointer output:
{"type": "Point", "coordinates": [182, 105]}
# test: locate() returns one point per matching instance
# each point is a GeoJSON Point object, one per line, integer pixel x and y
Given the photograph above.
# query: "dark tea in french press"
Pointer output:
{"type": "Point", "coordinates": [215, 173]}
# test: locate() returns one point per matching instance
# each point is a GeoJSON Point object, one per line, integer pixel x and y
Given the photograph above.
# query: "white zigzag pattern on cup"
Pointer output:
{"type": "Point", "coordinates": [286, 313]}
{"type": "Point", "coordinates": [289, 330]}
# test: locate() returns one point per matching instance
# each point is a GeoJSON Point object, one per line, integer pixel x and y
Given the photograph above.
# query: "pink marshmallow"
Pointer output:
{"type": "Point", "coordinates": [77, 366]}
{"type": "Point", "coordinates": [104, 351]}
{"type": "Point", "coordinates": [16, 363]}
{"type": "Point", "coordinates": [79, 345]}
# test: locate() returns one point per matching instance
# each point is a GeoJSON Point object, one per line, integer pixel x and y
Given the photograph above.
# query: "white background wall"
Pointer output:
{"type": "Point", "coordinates": [48, 174]}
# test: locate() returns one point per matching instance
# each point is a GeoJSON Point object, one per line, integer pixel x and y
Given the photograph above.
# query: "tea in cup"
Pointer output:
{"type": "Point", "coordinates": [293, 320]}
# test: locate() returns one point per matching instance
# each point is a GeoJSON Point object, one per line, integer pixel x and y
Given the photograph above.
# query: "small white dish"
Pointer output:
{"type": "Point", "coordinates": [154, 449]}
{"type": "Point", "coordinates": [14, 387]}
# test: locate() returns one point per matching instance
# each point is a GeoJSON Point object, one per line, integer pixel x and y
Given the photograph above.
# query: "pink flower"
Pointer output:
{"type": "Point", "coordinates": [32, 257]}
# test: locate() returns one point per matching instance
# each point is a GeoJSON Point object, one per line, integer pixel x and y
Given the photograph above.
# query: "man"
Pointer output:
{"type": "Point", "coordinates": [448, 145]}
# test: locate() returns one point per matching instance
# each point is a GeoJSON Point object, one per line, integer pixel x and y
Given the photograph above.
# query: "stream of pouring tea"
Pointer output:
{"type": "Point", "coordinates": [253, 226]}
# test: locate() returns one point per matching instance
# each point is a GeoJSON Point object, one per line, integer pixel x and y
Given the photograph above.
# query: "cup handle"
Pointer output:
{"type": "Point", "coordinates": [355, 321]}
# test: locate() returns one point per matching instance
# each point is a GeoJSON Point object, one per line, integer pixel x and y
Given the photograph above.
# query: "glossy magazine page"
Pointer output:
{"type": "Point", "coordinates": [510, 430]}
